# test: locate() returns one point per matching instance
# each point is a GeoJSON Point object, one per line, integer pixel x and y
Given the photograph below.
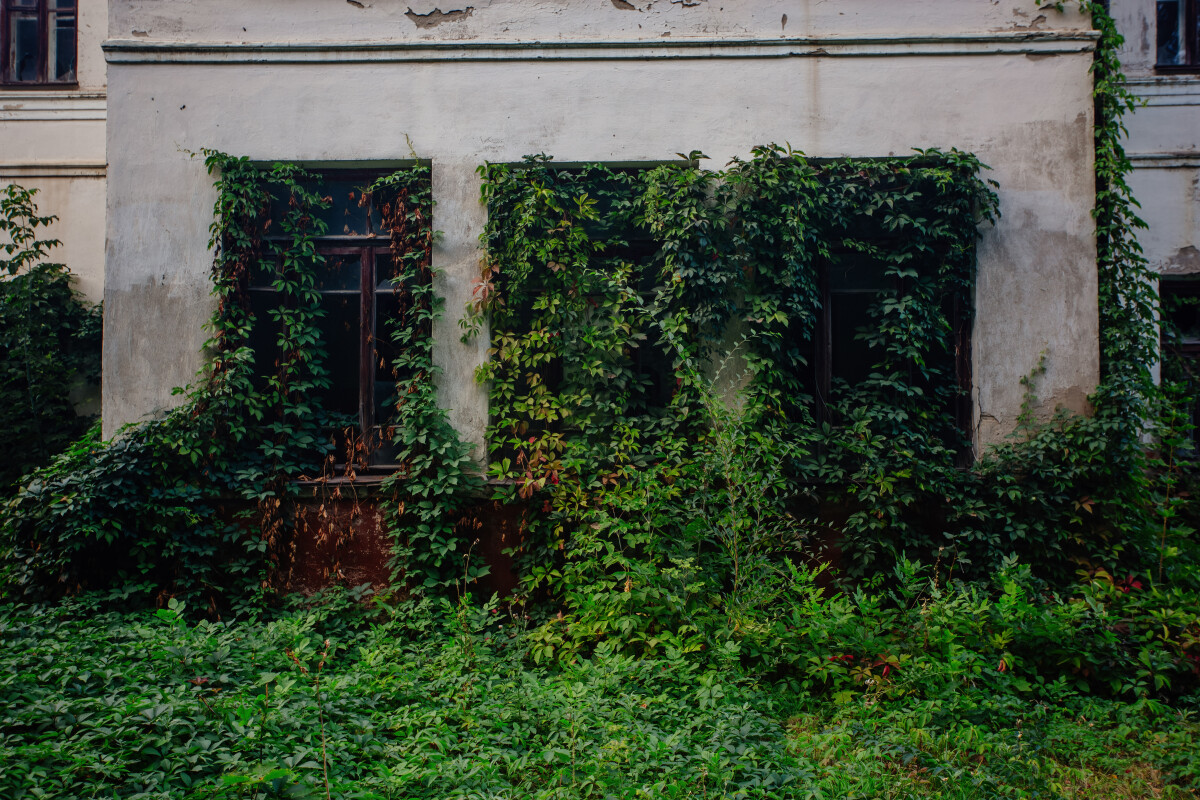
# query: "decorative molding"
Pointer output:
{"type": "Point", "coordinates": [52, 106]}
{"type": "Point", "coordinates": [1165, 160]}
{"type": "Point", "coordinates": [52, 171]}
{"type": "Point", "coordinates": [1180, 90]}
{"type": "Point", "coordinates": [140, 51]}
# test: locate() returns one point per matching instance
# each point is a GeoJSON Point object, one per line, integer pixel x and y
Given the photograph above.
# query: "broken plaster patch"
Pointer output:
{"type": "Point", "coordinates": [1186, 261]}
{"type": "Point", "coordinates": [686, 3]}
{"type": "Point", "coordinates": [624, 5]}
{"type": "Point", "coordinates": [437, 16]}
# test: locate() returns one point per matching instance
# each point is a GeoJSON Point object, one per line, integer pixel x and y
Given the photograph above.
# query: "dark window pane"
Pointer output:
{"type": "Point", "coordinates": [62, 4]}
{"type": "Point", "coordinates": [340, 273]}
{"type": "Point", "coordinates": [391, 308]}
{"type": "Point", "coordinates": [856, 272]}
{"type": "Point", "coordinates": [349, 212]}
{"type": "Point", "coordinates": [340, 336]}
{"type": "Point", "coordinates": [386, 270]}
{"type": "Point", "coordinates": [852, 357]}
{"type": "Point", "coordinates": [23, 47]}
{"type": "Point", "coordinates": [1171, 23]}
{"type": "Point", "coordinates": [62, 47]}
{"type": "Point", "coordinates": [264, 333]}
{"type": "Point", "coordinates": [22, 3]}
{"type": "Point", "coordinates": [855, 280]}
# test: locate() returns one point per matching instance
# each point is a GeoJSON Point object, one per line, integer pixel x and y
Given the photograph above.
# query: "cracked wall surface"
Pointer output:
{"type": "Point", "coordinates": [595, 81]}
{"type": "Point", "coordinates": [523, 20]}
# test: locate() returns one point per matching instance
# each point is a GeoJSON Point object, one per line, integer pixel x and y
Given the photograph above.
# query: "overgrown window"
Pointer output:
{"type": "Point", "coordinates": [856, 290]}
{"type": "Point", "coordinates": [361, 301]}
{"type": "Point", "coordinates": [1180, 308]}
{"type": "Point", "coordinates": [38, 41]}
{"type": "Point", "coordinates": [839, 291]}
{"type": "Point", "coordinates": [1178, 34]}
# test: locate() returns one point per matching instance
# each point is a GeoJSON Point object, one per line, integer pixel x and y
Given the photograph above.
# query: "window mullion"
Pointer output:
{"type": "Point", "coordinates": [366, 346]}
{"type": "Point", "coordinates": [43, 41]}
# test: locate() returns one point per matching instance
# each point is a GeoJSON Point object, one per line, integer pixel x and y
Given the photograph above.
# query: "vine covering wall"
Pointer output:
{"type": "Point", "coordinates": [672, 402]}
{"type": "Point", "coordinates": [204, 503]}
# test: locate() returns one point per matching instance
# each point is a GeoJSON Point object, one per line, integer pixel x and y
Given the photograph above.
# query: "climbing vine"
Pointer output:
{"type": "Point", "coordinates": [205, 503]}
{"type": "Point", "coordinates": [49, 341]}
{"type": "Point", "coordinates": [616, 297]}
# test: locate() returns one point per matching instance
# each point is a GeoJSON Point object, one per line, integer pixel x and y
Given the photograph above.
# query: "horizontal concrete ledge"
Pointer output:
{"type": "Point", "coordinates": [1164, 160]}
{"type": "Point", "coordinates": [52, 170]}
{"type": "Point", "coordinates": [30, 106]}
{"type": "Point", "coordinates": [1180, 90]}
{"type": "Point", "coordinates": [139, 51]}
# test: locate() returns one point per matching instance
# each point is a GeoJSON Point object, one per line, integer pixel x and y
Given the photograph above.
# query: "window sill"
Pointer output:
{"type": "Point", "coordinates": [1180, 69]}
{"type": "Point", "coordinates": [39, 87]}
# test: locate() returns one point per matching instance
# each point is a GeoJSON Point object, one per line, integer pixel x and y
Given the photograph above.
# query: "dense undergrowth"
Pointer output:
{"type": "Point", "coordinates": [1024, 624]}
{"type": "Point", "coordinates": [335, 698]}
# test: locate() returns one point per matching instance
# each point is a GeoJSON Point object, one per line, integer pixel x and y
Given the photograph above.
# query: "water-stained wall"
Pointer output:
{"type": "Point", "coordinates": [377, 81]}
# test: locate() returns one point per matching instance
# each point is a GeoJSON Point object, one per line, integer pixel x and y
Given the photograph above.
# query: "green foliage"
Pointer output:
{"type": "Point", "coordinates": [354, 696]}
{"type": "Point", "coordinates": [200, 505]}
{"type": "Point", "coordinates": [413, 701]}
{"type": "Point", "coordinates": [50, 340]}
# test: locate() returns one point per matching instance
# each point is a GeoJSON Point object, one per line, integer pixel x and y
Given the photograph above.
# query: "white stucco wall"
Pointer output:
{"type": "Point", "coordinates": [52, 139]}
{"type": "Point", "coordinates": [583, 82]}
{"type": "Point", "coordinates": [1163, 146]}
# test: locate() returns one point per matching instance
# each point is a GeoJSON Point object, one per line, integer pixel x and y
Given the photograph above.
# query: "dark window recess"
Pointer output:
{"type": "Point", "coordinates": [1178, 37]}
{"type": "Point", "coordinates": [38, 42]}
{"type": "Point", "coordinates": [842, 352]}
{"type": "Point", "coordinates": [1180, 329]}
{"type": "Point", "coordinates": [363, 305]}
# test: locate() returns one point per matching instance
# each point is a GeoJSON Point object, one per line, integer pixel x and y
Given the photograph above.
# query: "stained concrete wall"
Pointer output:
{"type": "Point", "coordinates": [595, 81]}
{"type": "Point", "coordinates": [1163, 145]}
{"type": "Point", "coordinates": [52, 139]}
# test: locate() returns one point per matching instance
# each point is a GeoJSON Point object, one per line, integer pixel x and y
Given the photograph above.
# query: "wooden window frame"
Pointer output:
{"type": "Point", "coordinates": [43, 10]}
{"type": "Point", "coordinates": [368, 247]}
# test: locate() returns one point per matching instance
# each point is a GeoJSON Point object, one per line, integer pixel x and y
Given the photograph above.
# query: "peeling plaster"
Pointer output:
{"type": "Point", "coordinates": [1185, 261]}
{"type": "Point", "coordinates": [624, 5]}
{"type": "Point", "coordinates": [1035, 24]}
{"type": "Point", "coordinates": [437, 16]}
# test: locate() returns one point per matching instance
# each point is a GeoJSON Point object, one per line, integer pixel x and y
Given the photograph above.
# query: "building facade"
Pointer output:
{"type": "Point", "coordinates": [376, 84]}
{"type": "Point", "coordinates": [52, 122]}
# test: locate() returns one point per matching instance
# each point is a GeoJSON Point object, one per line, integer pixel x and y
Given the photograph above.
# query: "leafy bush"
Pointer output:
{"type": "Point", "coordinates": [410, 701]}
{"type": "Point", "coordinates": [49, 341]}
{"type": "Point", "coordinates": [353, 696]}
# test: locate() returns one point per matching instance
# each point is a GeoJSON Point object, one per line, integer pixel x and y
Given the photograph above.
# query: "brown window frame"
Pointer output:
{"type": "Point", "coordinates": [369, 247]}
{"type": "Point", "coordinates": [43, 10]}
{"type": "Point", "coordinates": [1189, 40]}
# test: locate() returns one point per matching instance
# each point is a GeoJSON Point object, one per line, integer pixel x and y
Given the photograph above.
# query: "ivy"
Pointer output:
{"type": "Point", "coordinates": [49, 337]}
{"type": "Point", "coordinates": [203, 504]}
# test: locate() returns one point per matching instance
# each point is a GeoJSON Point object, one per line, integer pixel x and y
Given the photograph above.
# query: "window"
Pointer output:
{"type": "Point", "coordinates": [1178, 35]}
{"type": "Point", "coordinates": [38, 42]}
{"type": "Point", "coordinates": [1180, 331]}
{"type": "Point", "coordinates": [362, 300]}
{"type": "Point", "coordinates": [846, 347]}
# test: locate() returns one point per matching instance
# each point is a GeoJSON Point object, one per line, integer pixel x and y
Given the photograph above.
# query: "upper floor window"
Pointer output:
{"type": "Point", "coordinates": [38, 42]}
{"type": "Point", "coordinates": [1178, 37]}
